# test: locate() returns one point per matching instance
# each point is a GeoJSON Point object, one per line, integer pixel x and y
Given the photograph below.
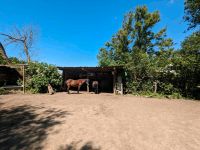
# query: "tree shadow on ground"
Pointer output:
{"type": "Point", "coordinates": [23, 128]}
{"type": "Point", "coordinates": [74, 146]}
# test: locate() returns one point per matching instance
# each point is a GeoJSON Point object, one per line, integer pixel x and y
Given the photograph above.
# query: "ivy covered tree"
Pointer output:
{"type": "Point", "coordinates": [135, 47]}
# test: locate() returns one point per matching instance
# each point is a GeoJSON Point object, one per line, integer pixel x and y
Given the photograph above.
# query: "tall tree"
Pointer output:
{"type": "Point", "coordinates": [104, 58]}
{"type": "Point", "coordinates": [115, 51]}
{"type": "Point", "coordinates": [190, 63]}
{"type": "Point", "coordinates": [143, 34]}
{"type": "Point", "coordinates": [23, 37]}
{"type": "Point", "coordinates": [135, 35]}
{"type": "Point", "coordinates": [192, 13]}
{"type": "Point", "coordinates": [134, 47]}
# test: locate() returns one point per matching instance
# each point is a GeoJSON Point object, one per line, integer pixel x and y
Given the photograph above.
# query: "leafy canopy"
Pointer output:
{"type": "Point", "coordinates": [135, 47]}
{"type": "Point", "coordinates": [192, 13]}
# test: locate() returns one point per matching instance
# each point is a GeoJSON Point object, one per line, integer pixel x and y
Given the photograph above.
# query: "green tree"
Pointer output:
{"type": "Point", "coordinates": [142, 34]}
{"type": "Point", "coordinates": [192, 13]}
{"type": "Point", "coordinates": [134, 47]}
{"type": "Point", "coordinates": [189, 66]}
{"type": "Point", "coordinates": [104, 57]}
{"type": "Point", "coordinates": [116, 51]}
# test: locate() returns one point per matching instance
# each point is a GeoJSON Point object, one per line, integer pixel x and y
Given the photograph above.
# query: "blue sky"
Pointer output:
{"type": "Point", "coordinates": [70, 32]}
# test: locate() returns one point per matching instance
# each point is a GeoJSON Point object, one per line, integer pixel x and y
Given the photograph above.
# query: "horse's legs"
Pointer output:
{"type": "Point", "coordinates": [96, 90]}
{"type": "Point", "coordinates": [68, 89]}
{"type": "Point", "coordinates": [78, 89]}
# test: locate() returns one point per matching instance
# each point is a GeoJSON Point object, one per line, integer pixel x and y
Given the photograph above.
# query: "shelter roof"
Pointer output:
{"type": "Point", "coordinates": [93, 69]}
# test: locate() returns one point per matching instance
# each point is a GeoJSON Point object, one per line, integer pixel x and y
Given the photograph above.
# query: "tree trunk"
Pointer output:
{"type": "Point", "coordinates": [27, 53]}
{"type": "Point", "coordinates": [155, 86]}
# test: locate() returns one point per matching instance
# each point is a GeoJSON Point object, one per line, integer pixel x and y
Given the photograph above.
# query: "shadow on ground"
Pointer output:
{"type": "Point", "coordinates": [74, 146]}
{"type": "Point", "coordinates": [23, 128]}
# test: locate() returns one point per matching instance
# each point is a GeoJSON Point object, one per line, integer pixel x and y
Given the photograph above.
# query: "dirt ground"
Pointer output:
{"type": "Point", "coordinates": [97, 122]}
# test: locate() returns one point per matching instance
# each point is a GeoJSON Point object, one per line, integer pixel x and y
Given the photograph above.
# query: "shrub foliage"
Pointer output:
{"type": "Point", "coordinates": [39, 75]}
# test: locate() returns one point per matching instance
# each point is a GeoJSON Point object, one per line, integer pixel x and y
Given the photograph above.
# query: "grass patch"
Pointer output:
{"type": "Point", "coordinates": [158, 95]}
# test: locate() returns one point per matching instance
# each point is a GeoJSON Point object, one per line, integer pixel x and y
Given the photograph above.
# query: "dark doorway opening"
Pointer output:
{"type": "Point", "coordinates": [106, 77]}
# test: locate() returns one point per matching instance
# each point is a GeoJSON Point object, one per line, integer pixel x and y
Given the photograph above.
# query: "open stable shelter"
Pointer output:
{"type": "Point", "coordinates": [9, 75]}
{"type": "Point", "coordinates": [110, 78]}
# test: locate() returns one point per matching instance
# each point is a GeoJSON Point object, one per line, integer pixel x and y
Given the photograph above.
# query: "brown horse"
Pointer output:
{"type": "Point", "coordinates": [75, 83]}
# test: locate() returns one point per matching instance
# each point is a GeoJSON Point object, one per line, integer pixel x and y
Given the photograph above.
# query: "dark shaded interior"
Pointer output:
{"type": "Point", "coordinates": [9, 76]}
{"type": "Point", "coordinates": [104, 75]}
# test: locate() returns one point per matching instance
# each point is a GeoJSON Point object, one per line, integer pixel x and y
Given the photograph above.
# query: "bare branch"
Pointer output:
{"type": "Point", "coordinates": [11, 37]}
{"type": "Point", "coordinates": [24, 37]}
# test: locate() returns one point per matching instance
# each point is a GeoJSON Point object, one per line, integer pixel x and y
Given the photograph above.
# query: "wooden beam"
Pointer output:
{"type": "Point", "coordinates": [23, 68]}
{"type": "Point", "coordinates": [114, 82]}
{"type": "Point", "coordinates": [11, 86]}
{"type": "Point", "coordinates": [14, 66]}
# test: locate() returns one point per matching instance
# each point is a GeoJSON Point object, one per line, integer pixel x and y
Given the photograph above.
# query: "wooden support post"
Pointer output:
{"type": "Point", "coordinates": [88, 88]}
{"type": "Point", "coordinates": [121, 87]}
{"type": "Point", "coordinates": [88, 84]}
{"type": "Point", "coordinates": [114, 82]}
{"type": "Point", "coordinates": [23, 70]}
{"type": "Point", "coordinates": [64, 87]}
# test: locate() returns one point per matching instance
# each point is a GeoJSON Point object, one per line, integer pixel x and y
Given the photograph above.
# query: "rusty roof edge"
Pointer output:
{"type": "Point", "coordinates": [59, 67]}
{"type": "Point", "coordinates": [92, 67]}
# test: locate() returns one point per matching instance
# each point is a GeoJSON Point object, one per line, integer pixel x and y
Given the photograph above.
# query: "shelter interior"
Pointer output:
{"type": "Point", "coordinates": [110, 78]}
{"type": "Point", "coordinates": [10, 74]}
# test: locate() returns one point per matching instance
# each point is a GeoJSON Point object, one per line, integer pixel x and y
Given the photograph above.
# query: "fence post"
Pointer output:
{"type": "Point", "coordinates": [23, 70]}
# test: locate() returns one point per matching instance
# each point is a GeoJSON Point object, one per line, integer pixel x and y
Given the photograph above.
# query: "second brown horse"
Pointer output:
{"type": "Point", "coordinates": [75, 83]}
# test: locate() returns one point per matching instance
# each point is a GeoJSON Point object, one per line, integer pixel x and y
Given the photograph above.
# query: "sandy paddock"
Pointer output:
{"type": "Point", "coordinates": [97, 122]}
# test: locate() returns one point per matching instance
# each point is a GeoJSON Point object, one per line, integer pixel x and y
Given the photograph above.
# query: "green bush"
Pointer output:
{"type": "Point", "coordinates": [2, 91]}
{"type": "Point", "coordinates": [134, 87]}
{"type": "Point", "coordinates": [39, 75]}
{"type": "Point", "coordinates": [2, 60]}
{"type": "Point", "coordinates": [15, 60]}
{"type": "Point", "coordinates": [131, 87]}
{"type": "Point", "coordinates": [167, 88]}
{"type": "Point", "coordinates": [176, 96]}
